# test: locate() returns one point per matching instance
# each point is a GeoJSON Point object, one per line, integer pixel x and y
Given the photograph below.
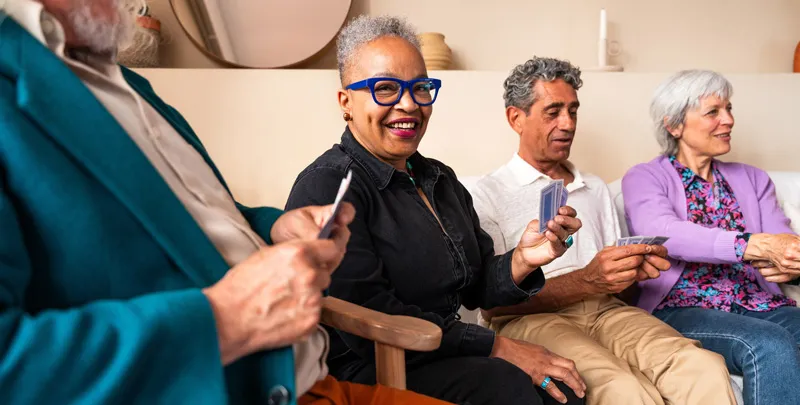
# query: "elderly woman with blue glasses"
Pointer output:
{"type": "Point", "coordinates": [730, 244]}
{"type": "Point", "coordinates": [417, 248]}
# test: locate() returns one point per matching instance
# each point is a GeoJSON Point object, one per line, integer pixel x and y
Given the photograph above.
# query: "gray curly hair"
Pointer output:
{"type": "Point", "coordinates": [677, 95]}
{"type": "Point", "coordinates": [364, 29]}
{"type": "Point", "coordinates": [519, 84]}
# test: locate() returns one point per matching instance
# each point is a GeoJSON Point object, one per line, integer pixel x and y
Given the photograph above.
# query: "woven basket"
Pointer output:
{"type": "Point", "coordinates": [143, 51]}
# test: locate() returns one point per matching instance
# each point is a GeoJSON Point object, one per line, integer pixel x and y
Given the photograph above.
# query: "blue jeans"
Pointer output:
{"type": "Point", "coordinates": [761, 346]}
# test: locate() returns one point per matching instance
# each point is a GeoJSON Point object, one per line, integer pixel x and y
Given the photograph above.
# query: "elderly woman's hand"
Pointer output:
{"type": "Point", "coordinates": [539, 363]}
{"type": "Point", "coordinates": [781, 251]}
{"type": "Point", "coordinates": [536, 250]}
{"type": "Point", "coordinates": [773, 273]}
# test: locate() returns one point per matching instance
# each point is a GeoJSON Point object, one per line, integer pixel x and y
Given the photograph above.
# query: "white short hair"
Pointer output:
{"type": "Point", "coordinates": [677, 95]}
{"type": "Point", "coordinates": [364, 29]}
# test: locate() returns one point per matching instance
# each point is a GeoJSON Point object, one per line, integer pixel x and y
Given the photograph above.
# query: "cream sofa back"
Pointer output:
{"type": "Point", "coordinates": [787, 187]}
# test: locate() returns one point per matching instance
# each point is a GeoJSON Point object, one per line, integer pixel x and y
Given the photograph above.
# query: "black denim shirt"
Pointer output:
{"type": "Point", "coordinates": [400, 262]}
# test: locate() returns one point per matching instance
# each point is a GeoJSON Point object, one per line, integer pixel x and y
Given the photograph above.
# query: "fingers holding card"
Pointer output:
{"type": "Point", "coordinates": [327, 229]}
{"type": "Point", "coordinates": [552, 197]}
{"type": "Point", "coordinates": [642, 240]}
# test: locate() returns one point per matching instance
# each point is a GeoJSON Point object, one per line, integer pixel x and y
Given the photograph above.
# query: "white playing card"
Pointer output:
{"type": "Point", "coordinates": [327, 229]}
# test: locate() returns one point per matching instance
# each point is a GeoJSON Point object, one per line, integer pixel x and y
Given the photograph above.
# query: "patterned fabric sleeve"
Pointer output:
{"type": "Point", "coordinates": [740, 245]}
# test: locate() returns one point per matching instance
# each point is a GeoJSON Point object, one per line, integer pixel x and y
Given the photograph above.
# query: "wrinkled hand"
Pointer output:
{"type": "Point", "coordinates": [774, 274]}
{"type": "Point", "coordinates": [539, 363]}
{"type": "Point", "coordinates": [536, 250]}
{"type": "Point", "coordinates": [783, 250]}
{"type": "Point", "coordinates": [616, 268]}
{"type": "Point", "coordinates": [273, 298]}
{"type": "Point", "coordinates": [305, 223]}
{"type": "Point", "coordinates": [654, 263]}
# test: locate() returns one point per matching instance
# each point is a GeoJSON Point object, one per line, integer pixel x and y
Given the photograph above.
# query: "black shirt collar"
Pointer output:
{"type": "Point", "coordinates": [381, 172]}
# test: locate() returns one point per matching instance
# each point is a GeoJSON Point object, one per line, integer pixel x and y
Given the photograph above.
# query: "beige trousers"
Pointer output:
{"type": "Point", "coordinates": [626, 355]}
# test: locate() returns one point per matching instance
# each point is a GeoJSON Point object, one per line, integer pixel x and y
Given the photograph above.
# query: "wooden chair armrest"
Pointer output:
{"type": "Point", "coordinates": [403, 332]}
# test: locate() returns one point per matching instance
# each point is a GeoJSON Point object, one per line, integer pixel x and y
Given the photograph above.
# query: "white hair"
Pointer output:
{"type": "Point", "coordinates": [522, 79]}
{"type": "Point", "coordinates": [680, 93]}
{"type": "Point", "coordinates": [364, 29]}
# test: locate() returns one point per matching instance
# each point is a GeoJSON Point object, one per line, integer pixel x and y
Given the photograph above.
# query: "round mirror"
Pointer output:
{"type": "Point", "coordinates": [261, 33]}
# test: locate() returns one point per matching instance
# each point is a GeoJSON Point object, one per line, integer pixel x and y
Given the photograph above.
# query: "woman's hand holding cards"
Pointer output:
{"type": "Point", "coordinates": [537, 249]}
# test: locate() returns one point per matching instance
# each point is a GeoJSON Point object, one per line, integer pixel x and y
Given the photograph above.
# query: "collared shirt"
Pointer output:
{"type": "Point", "coordinates": [178, 163]}
{"type": "Point", "coordinates": [401, 261]}
{"type": "Point", "coordinates": [718, 286]}
{"type": "Point", "coordinates": [508, 199]}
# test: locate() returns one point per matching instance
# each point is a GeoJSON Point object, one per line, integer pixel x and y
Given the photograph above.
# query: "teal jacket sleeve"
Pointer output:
{"type": "Point", "coordinates": [158, 348]}
{"type": "Point", "coordinates": [261, 219]}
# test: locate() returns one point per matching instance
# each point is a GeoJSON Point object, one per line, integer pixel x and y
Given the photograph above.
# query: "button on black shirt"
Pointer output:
{"type": "Point", "coordinates": [399, 260]}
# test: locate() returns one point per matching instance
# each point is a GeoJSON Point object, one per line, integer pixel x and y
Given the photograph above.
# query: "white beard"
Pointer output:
{"type": "Point", "coordinates": [103, 35]}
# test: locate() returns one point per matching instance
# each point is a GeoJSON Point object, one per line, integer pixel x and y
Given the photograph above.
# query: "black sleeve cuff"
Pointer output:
{"type": "Point", "coordinates": [513, 293]}
{"type": "Point", "coordinates": [476, 341]}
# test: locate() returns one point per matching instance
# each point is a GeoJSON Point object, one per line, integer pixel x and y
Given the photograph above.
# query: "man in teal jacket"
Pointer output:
{"type": "Point", "coordinates": [128, 274]}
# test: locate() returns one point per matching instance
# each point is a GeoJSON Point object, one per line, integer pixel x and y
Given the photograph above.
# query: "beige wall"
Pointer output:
{"type": "Point", "coordinates": [732, 36]}
{"type": "Point", "coordinates": [263, 127]}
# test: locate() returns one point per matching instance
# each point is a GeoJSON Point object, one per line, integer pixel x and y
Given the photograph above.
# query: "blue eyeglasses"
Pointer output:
{"type": "Point", "coordinates": [387, 91]}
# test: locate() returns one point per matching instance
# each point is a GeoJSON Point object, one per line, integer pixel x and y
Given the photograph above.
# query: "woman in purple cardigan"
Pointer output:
{"type": "Point", "coordinates": [729, 244]}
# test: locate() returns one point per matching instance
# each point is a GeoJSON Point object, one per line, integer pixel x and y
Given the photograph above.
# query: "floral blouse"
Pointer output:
{"type": "Point", "coordinates": [718, 286]}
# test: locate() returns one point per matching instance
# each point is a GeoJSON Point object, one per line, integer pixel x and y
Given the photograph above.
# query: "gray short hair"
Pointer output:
{"type": "Point", "coordinates": [519, 84]}
{"type": "Point", "coordinates": [677, 95]}
{"type": "Point", "coordinates": [364, 29]}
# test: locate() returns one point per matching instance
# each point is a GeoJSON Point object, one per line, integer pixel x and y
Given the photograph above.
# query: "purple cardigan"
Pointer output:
{"type": "Point", "coordinates": [655, 205]}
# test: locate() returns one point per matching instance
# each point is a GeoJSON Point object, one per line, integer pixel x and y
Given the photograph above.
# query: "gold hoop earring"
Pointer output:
{"type": "Point", "coordinates": [347, 117]}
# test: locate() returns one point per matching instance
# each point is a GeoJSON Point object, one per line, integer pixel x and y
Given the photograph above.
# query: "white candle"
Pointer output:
{"type": "Point", "coordinates": [603, 24]}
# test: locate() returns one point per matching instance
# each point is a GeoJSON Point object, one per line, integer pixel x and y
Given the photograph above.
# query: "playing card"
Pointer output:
{"type": "Point", "coordinates": [564, 195]}
{"type": "Point", "coordinates": [642, 240]}
{"type": "Point", "coordinates": [547, 205]}
{"type": "Point", "coordinates": [559, 194]}
{"type": "Point", "coordinates": [327, 229]}
{"type": "Point", "coordinates": [660, 240]}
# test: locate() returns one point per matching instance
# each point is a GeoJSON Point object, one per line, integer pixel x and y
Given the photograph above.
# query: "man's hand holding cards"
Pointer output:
{"type": "Point", "coordinates": [651, 271]}
{"type": "Point", "coordinates": [616, 268]}
{"type": "Point", "coordinates": [543, 240]}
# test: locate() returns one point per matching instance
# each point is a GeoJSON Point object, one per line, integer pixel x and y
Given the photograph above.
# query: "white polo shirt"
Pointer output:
{"type": "Point", "coordinates": [508, 199]}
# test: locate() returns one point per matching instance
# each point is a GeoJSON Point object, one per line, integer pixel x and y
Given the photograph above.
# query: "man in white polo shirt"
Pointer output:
{"type": "Point", "coordinates": [625, 355]}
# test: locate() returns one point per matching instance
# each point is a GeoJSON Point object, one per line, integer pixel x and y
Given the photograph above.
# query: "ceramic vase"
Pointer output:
{"type": "Point", "coordinates": [435, 52]}
{"type": "Point", "coordinates": [797, 58]}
